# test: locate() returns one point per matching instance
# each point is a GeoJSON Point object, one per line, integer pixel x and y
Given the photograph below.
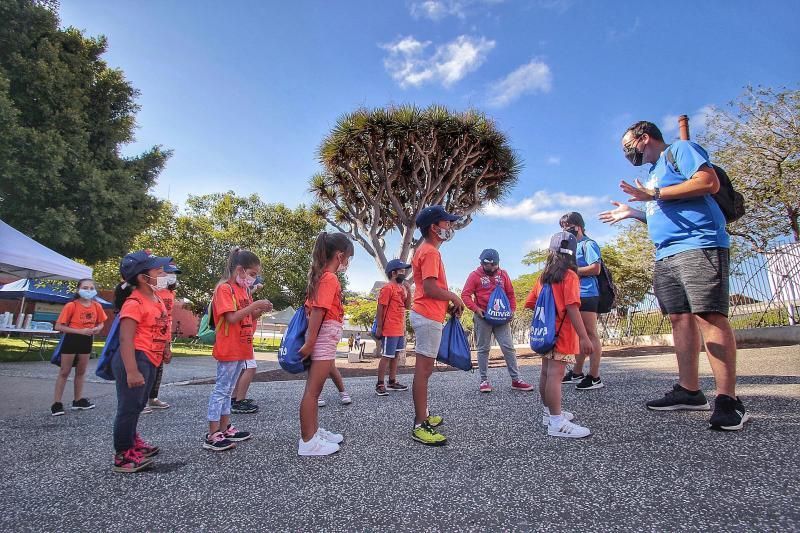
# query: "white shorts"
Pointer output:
{"type": "Point", "coordinates": [250, 363]}
{"type": "Point", "coordinates": [428, 334]}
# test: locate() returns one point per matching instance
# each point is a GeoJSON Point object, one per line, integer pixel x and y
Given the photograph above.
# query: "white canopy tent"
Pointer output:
{"type": "Point", "coordinates": [22, 257]}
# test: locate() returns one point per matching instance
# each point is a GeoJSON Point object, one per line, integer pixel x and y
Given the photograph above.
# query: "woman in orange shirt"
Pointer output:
{"type": "Point", "coordinates": [332, 253]}
{"type": "Point", "coordinates": [143, 345]}
{"type": "Point", "coordinates": [79, 321]}
{"type": "Point", "coordinates": [235, 314]}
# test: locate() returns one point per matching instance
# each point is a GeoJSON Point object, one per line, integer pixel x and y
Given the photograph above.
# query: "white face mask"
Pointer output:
{"type": "Point", "coordinates": [161, 283]}
{"type": "Point", "coordinates": [442, 233]}
{"type": "Point", "coordinates": [172, 279]}
{"type": "Point", "coordinates": [343, 267]}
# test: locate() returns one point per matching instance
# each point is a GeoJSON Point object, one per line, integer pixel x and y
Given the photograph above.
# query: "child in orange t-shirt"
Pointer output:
{"type": "Point", "coordinates": [393, 300]}
{"type": "Point", "coordinates": [143, 345]}
{"type": "Point", "coordinates": [234, 314]}
{"type": "Point", "coordinates": [560, 271]}
{"type": "Point", "coordinates": [332, 253]}
{"type": "Point", "coordinates": [431, 300]}
{"type": "Point", "coordinates": [168, 297]}
{"type": "Point", "coordinates": [80, 319]}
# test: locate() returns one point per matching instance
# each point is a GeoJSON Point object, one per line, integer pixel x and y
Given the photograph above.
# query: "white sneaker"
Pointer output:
{"type": "Point", "coordinates": [321, 403]}
{"type": "Point", "coordinates": [316, 447]}
{"type": "Point", "coordinates": [566, 414]}
{"type": "Point", "coordinates": [147, 410]}
{"type": "Point", "coordinates": [345, 398]}
{"type": "Point", "coordinates": [568, 429]}
{"type": "Point", "coordinates": [335, 438]}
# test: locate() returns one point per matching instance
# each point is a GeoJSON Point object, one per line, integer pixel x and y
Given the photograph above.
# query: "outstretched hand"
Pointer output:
{"type": "Point", "coordinates": [637, 192]}
{"type": "Point", "coordinates": [619, 214]}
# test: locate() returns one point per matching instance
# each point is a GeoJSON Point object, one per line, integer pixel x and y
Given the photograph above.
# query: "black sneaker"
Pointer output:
{"type": "Point", "coordinates": [243, 408]}
{"type": "Point", "coordinates": [679, 398]}
{"type": "Point", "coordinates": [217, 442]}
{"type": "Point", "coordinates": [570, 377]}
{"type": "Point", "coordinates": [57, 409]}
{"type": "Point", "coordinates": [82, 405]}
{"type": "Point", "coordinates": [589, 383]}
{"type": "Point", "coordinates": [395, 386]}
{"type": "Point", "coordinates": [380, 390]}
{"type": "Point", "coordinates": [729, 414]}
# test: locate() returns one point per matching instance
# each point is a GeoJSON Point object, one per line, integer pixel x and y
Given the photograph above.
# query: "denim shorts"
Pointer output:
{"type": "Point", "coordinates": [392, 345]}
{"type": "Point", "coordinates": [428, 334]}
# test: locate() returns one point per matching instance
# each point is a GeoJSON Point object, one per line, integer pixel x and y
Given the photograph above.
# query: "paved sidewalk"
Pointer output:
{"type": "Point", "coordinates": [639, 471]}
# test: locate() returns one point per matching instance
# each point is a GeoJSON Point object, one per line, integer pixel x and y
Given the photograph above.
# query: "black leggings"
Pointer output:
{"type": "Point", "coordinates": [157, 382]}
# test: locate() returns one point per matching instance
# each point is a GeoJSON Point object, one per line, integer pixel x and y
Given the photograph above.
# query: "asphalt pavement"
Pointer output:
{"type": "Point", "coordinates": [639, 471]}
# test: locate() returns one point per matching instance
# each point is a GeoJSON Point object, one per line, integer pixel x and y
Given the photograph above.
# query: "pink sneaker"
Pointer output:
{"type": "Point", "coordinates": [144, 447]}
{"type": "Point", "coordinates": [485, 387]}
{"type": "Point", "coordinates": [519, 384]}
{"type": "Point", "coordinates": [130, 461]}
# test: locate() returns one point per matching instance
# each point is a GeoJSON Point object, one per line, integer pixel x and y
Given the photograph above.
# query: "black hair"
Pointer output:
{"type": "Point", "coordinates": [425, 231]}
{"type": "Point", "coordinates": [642, 127]}
{"type": "Point", "coordinates": [572, 218]}
{"type": "Point", "coordinates": [325, 247]}
{"type": "Point", "coordinates": [122, 291]}
{"type": "Point", "coordinates": [556, 266]}
{"type": "Point", "coordinates": [78, 287]}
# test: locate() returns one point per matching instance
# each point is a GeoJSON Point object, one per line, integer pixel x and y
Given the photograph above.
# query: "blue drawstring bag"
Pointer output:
{"type": "Point", "coordinates": [289, 352]}
{"type": "Point", "coordinates": [374, 329]}
{"type": "Point", "coordinates": [454, 348]}
{"type": "Point", "coordinates": [56, 358]}
{"type": "Point", "coordinates": [110, 351]}
{"type": "Point", "coordinates": [498, 309]}
{"type": "Point", "coordinates": [543, 325]}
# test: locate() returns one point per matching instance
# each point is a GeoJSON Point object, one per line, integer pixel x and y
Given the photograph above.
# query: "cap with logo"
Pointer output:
{"type": "Point", "coordinates": [490, 256]}
{"type": "Point", "coordinates": [433, 214]}
{"type": "Point", "coordinates": [564, 243]}
{"type": "Point", "coordinates": [396, 264]}
{"type": "Point", "coordinates": [135, 263]}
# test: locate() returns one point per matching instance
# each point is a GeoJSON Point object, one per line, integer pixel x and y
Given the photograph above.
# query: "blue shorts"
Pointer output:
{"type": "Point", "coordinates": [392, 345]}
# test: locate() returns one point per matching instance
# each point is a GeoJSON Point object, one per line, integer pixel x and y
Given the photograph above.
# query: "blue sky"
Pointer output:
{"type": "Point", "coordinates": [243, 92]}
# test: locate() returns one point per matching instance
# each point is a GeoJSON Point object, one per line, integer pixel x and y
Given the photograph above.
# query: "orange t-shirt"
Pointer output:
{"type": "Point", "coordinates": [152, 325]}
{"type": "Point", "coordinates": [393, 298]}
{"type": "Point", "coordinates": [75, 315]}
{"type": "Point", "coordinates": [234, 342]}
{"type": "Point", "coordinates": [568, 292]}
{"type": "Point", "coordinates": [427, 263]}
{"type": "Point", "coordinates": [328, 297]}
{"type": "Point", "coordinates": [168, 297]}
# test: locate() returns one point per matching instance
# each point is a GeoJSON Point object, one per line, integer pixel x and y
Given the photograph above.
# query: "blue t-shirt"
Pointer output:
{"type": "Point", "coordinates": [588, 254]}
{"type": "Point", "coordinates": [689, 223]}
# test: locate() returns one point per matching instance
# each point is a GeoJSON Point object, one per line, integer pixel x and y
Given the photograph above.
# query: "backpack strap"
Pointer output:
{"type": "Point", "coordinates": [226, 325]}
{"type": "Point", "coordinates": [671, 160]}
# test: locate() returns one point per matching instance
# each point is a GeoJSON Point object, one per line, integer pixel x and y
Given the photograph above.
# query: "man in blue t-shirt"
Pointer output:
{"type": "Point", "coordinates": [587, 258]}
{"type": "Point", "coordinates": [690, 278]}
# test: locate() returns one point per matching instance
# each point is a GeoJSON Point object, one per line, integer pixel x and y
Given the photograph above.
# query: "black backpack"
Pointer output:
{"type": "Point", "coordinates": [730, 201]}
{"type": "Point", "coordinates": [605, 286]}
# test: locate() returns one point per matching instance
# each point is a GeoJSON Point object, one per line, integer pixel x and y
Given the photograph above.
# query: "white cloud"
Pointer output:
{"type": "Point", "coordinates": [411, 64]}
{"type": "Point", "coordinates": [554, 160]}
{"type": "Point", "coordinates": [440, 9]}
{"type": "Point", "coordinates": [529, 78]}
{"type": "Point", "coordinates": [697, 121]}
{"type": "Point", "coordinates": [544, 207]}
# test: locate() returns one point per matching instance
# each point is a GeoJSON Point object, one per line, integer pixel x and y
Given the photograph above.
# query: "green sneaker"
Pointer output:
{"type": "Point", "coordinates": [434, 420]}
{"type": "Point", "coordinates": [427, 435]}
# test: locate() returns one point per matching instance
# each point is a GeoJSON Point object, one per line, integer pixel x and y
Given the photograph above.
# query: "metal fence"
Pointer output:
{"type": "Point", "coordinates": [764, 292]}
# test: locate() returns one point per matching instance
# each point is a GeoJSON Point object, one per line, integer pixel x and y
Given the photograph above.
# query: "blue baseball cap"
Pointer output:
{"type": "Point", "coordinates": [490, 256]}
{"type": "Point", "coordinates": [396, 264]}
{"type": "Point", "coordinates": [172, 268]}
{"type": "Point", "coordinates": [433, 214]}
{"type": "Point", "coordinates": [135, 263]}
{"type": "Point", "coordinates": [563, 242]}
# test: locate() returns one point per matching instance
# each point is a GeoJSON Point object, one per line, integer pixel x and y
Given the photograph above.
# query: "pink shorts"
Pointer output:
{"type": "Point", "coordinates": [327, 340]}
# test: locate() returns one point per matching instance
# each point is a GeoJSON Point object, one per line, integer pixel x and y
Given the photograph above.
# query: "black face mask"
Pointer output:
{"type": "Point", "coordinates": [634, 156]}
{"type": "Point", "coordinates": [573, 231]}
{"type": "Point", "coordinates": [400, 278]}
{"type": "Point", "coordinates": [489, 271]}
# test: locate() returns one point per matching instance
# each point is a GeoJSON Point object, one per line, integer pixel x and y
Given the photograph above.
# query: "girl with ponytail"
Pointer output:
{"type": "Point", "coordinates": [332, 253]}
{"type": "Point", "coordinates": [234, 313]}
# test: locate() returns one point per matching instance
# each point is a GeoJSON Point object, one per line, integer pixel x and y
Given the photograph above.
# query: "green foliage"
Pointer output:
{"type": "Point", "coordinates": [629, 257]}
{"type": "Point", "coordinates": [64, 117]}
{"type": "Point", "coordinates": [382, 166]}
{"type": "Point", "coordinates": [757, 142]}
{"type": "Point", "coordinates": [200, 239]}
{"type": "Point", "coordinates": [523, 286]}
{"type": "Point", "coordinates": [362, 312]}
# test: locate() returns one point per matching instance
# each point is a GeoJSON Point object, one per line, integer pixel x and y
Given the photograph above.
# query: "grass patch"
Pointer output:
{"type": "Point", "coordinates": [16, 349]}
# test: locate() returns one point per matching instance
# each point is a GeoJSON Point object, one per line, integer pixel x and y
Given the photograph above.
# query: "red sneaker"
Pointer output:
{"type": "Point", "coordinates": [130, 461]}
{"type": "Point", "coordinates": [144, 447]}
{"type": "Point", "coordinates": [485, 386]}
{"type": "Point", "coordinates": [518, 384]}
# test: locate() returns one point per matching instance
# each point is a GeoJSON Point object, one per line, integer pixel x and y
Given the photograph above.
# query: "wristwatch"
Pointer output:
{"type": "Point", "coordinates": [656, 193]}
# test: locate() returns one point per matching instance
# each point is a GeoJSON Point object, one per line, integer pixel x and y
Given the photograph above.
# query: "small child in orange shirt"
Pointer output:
{"type": "Point", "coordinates": [560, 271]}
{"type": "Point", "coordinates": [332, 253]}
{"type": "Point", "coordinates": [80, 320]}
{"type": "Point", "coordinates": [234, 315]}
{"type": "Point", "coordinates": [393, 300]}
